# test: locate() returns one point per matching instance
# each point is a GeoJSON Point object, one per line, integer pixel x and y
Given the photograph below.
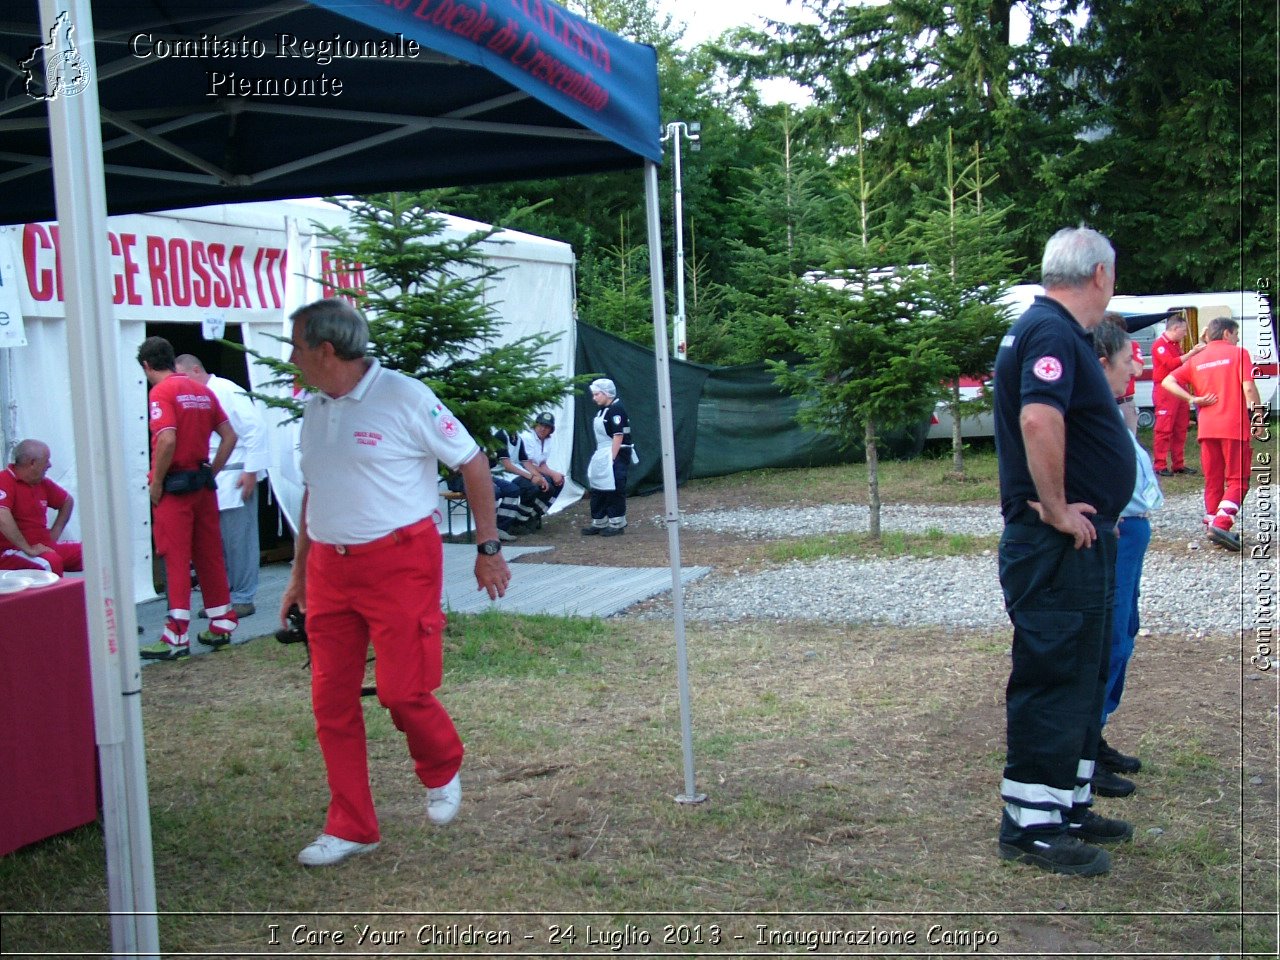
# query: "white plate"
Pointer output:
{"type": "Point", "coordinates": [32, 578]}
{"type": "Point", "coordinates": [12, 586]}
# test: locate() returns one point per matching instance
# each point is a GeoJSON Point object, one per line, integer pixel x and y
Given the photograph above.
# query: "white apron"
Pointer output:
{"type": "Point", "coordinates": [600, 469]}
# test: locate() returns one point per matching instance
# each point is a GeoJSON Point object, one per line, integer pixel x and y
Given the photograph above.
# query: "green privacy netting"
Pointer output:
{"type": "Point", "coordinates": [726, 419]}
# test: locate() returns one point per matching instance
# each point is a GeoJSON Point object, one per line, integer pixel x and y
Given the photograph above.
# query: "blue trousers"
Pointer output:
{"type": "Point", "coordinates": [1131, 549]}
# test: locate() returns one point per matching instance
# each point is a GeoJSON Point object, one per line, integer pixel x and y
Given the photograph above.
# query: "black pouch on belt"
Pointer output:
{"type": "Point", "coordinates": [189, 481]}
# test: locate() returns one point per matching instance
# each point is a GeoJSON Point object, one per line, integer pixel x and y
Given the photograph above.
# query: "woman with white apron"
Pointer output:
{"type": "Point", "coordinates": [607, 471]}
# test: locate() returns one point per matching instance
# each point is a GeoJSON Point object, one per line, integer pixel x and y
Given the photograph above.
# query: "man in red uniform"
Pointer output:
{"type": "Point", "coordinates": [1219, 380]}
{"type": "Point", "coordinates": [27, 542]}
{"type": "Point", "coordinates": [184, 504]}
{"type": "Point", "coordinates": [1173, 414]}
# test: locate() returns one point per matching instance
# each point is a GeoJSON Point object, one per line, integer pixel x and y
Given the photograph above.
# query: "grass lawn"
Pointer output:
{"type": "Point", "coordinates": [851, 777]}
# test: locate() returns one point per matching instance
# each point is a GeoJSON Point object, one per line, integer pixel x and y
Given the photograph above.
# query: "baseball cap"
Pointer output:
{"type": "Point", "coordinates": [546, 420]}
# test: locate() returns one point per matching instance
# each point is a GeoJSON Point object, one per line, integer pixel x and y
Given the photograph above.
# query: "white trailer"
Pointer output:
{"type": "Point", "coordinates": [1250, 309]}
{"type": "Point", "coordinates": [194, 275]}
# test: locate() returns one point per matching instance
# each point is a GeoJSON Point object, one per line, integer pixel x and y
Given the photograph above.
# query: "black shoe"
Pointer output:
{"type": "Point", "coordinates": [1108, 784]}
{"type": "Point", "coordinates": [593, 531]}
{"type": "Point", "coordinates": [1188, 471]}
{"type": "Point", "coordinates": [613, 531]}
{"type": "Point", "coordinates": [1057, 853]}
{"type": "Point", "coordinates": [1109, 758]}
{"type": "Point", "coordinates": [215, 640]}
{"type": "Point", "coordinates": [1166, 472]}
{"type": "Point", "coordinates": [1093, 828]}
{"type": "Point", "coordinates": [1225, 538]}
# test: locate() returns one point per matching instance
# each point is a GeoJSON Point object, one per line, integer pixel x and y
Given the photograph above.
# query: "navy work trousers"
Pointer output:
{"type": "Point", "coordinates": [1059, 600]}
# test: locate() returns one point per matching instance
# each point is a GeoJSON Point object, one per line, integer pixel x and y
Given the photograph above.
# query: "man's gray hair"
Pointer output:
{"type": "Point", "coordinates": [24, 451]}
{"type": "Point", "coordinates": [336, 321]}
{"type": "Point", "coordinates": [1071, 256]}
{"type": "Point", "coordinates": [1219, 327]}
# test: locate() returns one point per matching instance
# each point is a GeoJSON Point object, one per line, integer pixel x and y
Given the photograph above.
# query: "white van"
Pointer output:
{"type": "Point", "coordinates": [1250, 310]}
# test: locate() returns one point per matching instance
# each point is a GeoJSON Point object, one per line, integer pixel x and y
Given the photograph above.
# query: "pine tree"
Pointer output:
{"type": "Point", "coordinates": [430, 300]}
{"type": "Point", "coordinates": [964, 248]}
{"type": "Point", "coordinates": [871, 359]}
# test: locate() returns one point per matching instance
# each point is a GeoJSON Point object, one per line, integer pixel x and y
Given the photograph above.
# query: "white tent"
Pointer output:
{"type": "Point", "coordinates": [245, 265]}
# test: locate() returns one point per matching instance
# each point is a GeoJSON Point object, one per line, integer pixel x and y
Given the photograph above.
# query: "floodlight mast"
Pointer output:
{"type": "Point", "coordinates": [690, 131]}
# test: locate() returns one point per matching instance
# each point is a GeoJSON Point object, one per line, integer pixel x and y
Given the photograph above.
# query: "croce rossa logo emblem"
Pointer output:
{"type": "Point", "coordinates": [56, 69]}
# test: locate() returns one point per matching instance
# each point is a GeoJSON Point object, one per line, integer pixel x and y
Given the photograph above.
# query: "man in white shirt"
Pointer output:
{"type": "Point", "coordinates": [237, 483]}
{"type": "Point", "coordinates": [368, 565]}
{"type": "Point", "coordinates": [537, 451]}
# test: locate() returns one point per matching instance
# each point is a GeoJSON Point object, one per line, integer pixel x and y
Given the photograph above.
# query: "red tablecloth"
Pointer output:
{"type": "Point", "coordinates": [47, 756]}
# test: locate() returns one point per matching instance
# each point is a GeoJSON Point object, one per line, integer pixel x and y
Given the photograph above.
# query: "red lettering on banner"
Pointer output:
{"type": "Point", "coordinates": [117, 281]}
{"type": "Point", "coordinates": [257, 276]}
{"type": "Point", "coordinates": [341, 279]}
{"type": "Point", "coordinates": [180, 272]}
{"type": "Point", "coordinates": [563, 78]}
{"type": "Point", "coordinates": [576, 34]}
{"type": "Point", "coordinates": [201, 292]}
{"type": "Point", "coordinates": [157, 270]}
{"type": "Point", "coordinates": [239, 287]}
{"type": "Point", "coordinates": [506, 38]}
{"type": "Point", "coordinates": [457, 17]}
{"type": "Point", "coordinates": [274, 255]}
{"type": "Point", "coordinates": [130, 268]}
{"type": "Point", "coordinates": [221, 292]}
{"type": "Point", "coordinates": [39, 279]}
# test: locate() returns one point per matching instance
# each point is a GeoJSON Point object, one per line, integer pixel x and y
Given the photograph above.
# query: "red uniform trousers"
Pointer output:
{"type": "Point", "coordinates": [67, 555]}
{"type": "Point", "coordinates": [1173, 416]}
{"type": "Point", "coordinates": [389, 596]}
{"type": "Point", "coordinates": [187, 532]}
{"type": "Point", "coordinates": [1226, 478]}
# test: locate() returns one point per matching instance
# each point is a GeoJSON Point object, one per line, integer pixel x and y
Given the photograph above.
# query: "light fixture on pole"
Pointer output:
{"type": "Point", "coordinates": [690, 131]}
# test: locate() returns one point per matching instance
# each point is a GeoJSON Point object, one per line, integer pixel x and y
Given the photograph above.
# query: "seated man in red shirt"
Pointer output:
{"type": "Point", "coordinates": [27, 542]}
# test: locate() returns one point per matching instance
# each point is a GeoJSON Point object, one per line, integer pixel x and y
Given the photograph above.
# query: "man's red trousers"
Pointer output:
{"type": "Point", "coordinates": [389, 597]}
{"type": "Point", "coordinates": [1226, 478]}
{"type": "Point", "coordinates": [1173, 416]}
{"type": "Point", "coordinates": [187, 533]}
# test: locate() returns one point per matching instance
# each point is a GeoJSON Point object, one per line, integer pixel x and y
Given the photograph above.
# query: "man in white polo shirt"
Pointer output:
{"type": "Point", "coordinates": [368, 565]}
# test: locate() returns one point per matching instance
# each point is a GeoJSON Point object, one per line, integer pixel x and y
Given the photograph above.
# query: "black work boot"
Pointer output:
{"type": "Point", "coordinates": [1055, 850]}
{"type": "Point", "coordinates": [1095, 828]}
{"type": "Point", "coordinates": [1109, 758]}
{"type": "Point", "coordinates": [1107, 783]}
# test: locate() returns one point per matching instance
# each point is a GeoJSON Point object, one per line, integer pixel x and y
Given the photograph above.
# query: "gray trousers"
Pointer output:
{"type": "Point", "coordinates": [240, 548]}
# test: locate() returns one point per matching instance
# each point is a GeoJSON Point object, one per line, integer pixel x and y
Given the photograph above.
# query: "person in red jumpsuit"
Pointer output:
{"type": "Point", "coordinates": [1173, 414]}
{"type": "Point", "coordinates": [368, 566]}
{"type": "Point", "coordinates": [184, 506]}
{"type": "Point", "coordinates": [1219, 380]}
{"type": "Point", "coordinates": [27, 542]}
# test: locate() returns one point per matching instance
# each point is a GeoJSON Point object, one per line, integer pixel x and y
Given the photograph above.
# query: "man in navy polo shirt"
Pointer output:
{"type": "Point", "coordinates": [1067, 469]}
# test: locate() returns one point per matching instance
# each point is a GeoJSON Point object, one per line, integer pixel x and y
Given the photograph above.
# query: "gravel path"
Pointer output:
{"type": "Point", "coordinates": [1177, 518]}
{"type": "Point", "coordinates": [1188, 585]}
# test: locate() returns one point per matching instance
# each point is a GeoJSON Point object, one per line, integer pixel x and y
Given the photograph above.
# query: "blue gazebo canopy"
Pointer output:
{"type": "Point", "coordinates": [215, 102]}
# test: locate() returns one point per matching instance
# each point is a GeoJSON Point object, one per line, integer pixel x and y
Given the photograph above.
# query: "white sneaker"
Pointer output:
{"type": "Point", "coordinates": [443, 802]}
{"type": "Point", "coordinates": [327, 850]}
